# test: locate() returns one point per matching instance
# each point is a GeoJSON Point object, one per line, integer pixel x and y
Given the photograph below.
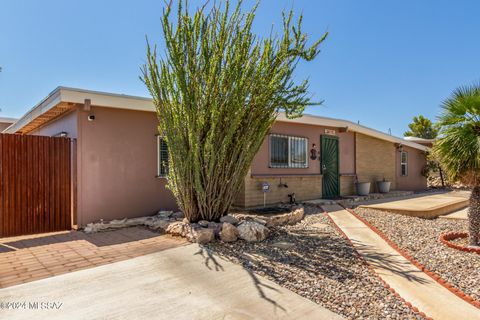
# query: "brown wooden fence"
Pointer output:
{"type": "Point", "coordinates": [35, 184]}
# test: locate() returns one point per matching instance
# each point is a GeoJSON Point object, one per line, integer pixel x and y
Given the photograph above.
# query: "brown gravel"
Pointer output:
{"type": "Point", "coordinates": [317, 263]}
{"type": "Point", "coordinates": [420, 238]}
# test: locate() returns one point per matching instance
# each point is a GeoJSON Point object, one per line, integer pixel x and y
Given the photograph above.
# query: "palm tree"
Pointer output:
{"type": "Point", "coordinates": [458, 147]}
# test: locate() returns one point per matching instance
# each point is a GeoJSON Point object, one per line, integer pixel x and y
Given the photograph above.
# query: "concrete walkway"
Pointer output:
{"type": "Point", "coordinates": [428, 206]}
{"type": "Point", "coordinates": [407, 280]}
{"type": "Point", "coordinates": [457, 215]}
{"type": "Point", "coordinates": [182, 283]}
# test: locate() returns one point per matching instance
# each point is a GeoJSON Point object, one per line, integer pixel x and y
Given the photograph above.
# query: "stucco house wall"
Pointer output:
{"type": "Point", "coordinates": [117, 166]}
{"type": "Point", "coordinates": [414, 180]}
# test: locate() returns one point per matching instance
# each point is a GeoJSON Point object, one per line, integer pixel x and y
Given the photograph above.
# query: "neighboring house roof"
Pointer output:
{"type": "Point", "coordinates": [417, 139]}
{"type": "Point", "coordinates": [64, 99]}
{"type": "Point", "coordinates": [7, 120]}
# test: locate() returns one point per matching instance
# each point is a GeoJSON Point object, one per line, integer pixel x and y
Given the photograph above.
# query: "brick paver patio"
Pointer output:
{"type": "Point", "coordinates": [28, 258]}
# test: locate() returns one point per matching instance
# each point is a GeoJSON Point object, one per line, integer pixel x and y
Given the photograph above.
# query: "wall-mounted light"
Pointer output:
{"type": "Point", "coordinates": [313, 152]}
{"type": "Point", "coordinates": [400, 147]}
{"type": "Point", "coordinates": [62, 134]}
{"type": "Point", "coordinates": [91, 117]}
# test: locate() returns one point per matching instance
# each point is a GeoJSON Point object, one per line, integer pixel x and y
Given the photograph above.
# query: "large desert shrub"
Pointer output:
{"type": "Point", "coordinates": [218, 89]}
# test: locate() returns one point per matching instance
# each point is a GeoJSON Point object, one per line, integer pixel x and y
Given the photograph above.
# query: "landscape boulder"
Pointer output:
{"type": "Point", "coordinates": [287, 218]}
{"type": "Point", "coordinates": [252, 231]}
{"type": "Point", "coordinates": [199, 234]}
{"type": "Point", "coordinates": [229, 219]}
{"type": "Point", "coordinates": [228, 232]}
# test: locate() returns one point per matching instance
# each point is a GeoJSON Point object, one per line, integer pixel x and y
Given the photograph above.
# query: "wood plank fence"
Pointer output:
{"type": "Point", "coordinates": [35, 184]}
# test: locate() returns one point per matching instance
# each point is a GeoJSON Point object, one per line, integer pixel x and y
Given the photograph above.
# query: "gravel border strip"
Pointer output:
{"type": "Point", "coordinates": [459, 293]}
{"type": "Point", "coordinates": [385, 284]}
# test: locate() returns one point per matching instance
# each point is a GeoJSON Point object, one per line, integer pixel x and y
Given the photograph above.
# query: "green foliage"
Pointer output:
{"type": "Point", "coordinates": [458, 148]}
{"type": "Point", "coordinates": [421, 127]}
{"type": "Point", "coordinates": [217, 91]}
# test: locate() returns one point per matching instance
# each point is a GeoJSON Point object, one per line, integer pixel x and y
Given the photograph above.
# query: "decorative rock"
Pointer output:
{"type": "Point", "coordinates": [201, 235]}
{"type": "Point", "coordinates": [164, 214]}
{"type": "Point", "coordinates": [176, 229]}
{"type": "Point", "coordinates": [158, 224]}
{"type": "Point", "coordinates": [252, 231]}
{"type": "Point", "coordinates": [259, 220]}
{"type": "Point", "coordinates": [229, 233]}
{"type": "Point", "coordinates": [229, 219]}
{"type": "Point", "coordinates": [203, 223]}
{"type": "Point", "coordinates": [286, 218]}
{"type": "Point", "coordinates": [283, 245]}
{"type": "Point", "coordinates": [178, 215]}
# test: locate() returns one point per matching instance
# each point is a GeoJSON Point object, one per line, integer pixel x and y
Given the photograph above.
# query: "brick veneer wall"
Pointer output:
{"type": "Point", "coordinates": [305, 187]}
{"type": "Point", "coordinates": [375, 160]}
{"type": "Point", "coordinates": [347, 185]}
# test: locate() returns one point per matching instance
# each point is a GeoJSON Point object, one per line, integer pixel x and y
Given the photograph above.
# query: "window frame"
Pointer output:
{"type": "Point", "coordinates": [402, 163]}
{"type": "Point", "coordinates": [159, 139]}
{"type": "Point", "coordinates": [289, 155]}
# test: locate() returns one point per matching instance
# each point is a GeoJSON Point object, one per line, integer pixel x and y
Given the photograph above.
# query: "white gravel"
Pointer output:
{"type": "Point", "coordinates": [312, 259]}
{"type": "Point", "coordinates": [420, 238]}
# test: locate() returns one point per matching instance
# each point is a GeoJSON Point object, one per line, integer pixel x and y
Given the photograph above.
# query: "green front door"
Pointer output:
{"type": "Point", "coordinates": [329, 166]}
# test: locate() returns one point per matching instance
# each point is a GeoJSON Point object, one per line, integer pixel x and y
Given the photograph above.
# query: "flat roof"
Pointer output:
{"type": "Point", "coordinates": [122, 101]}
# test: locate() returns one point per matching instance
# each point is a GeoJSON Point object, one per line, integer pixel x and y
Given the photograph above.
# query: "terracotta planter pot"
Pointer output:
{"type": "Point", "coordinates": [363, 188]}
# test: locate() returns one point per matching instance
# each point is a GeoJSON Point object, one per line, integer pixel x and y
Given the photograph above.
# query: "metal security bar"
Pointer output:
{"type": "Point", "coordinates": [288, 151]}
{"type": "Point", "coordinates": [162, 165]}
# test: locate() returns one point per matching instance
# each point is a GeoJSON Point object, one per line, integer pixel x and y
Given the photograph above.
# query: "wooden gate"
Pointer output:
{"type": "Point", "coordinates": [35, 184]}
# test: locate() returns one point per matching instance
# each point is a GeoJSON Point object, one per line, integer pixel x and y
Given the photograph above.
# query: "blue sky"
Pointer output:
{"type": "Point", "coordinates": [383, 63]}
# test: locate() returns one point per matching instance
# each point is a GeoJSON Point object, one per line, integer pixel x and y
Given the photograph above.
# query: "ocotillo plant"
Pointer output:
{"type": "Point", "coordinates": [217, 90]}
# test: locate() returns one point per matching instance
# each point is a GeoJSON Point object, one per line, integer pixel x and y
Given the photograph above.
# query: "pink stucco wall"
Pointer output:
{"type": "Point", "coordinates": [414, 180]}
{"type": "Point", "coordinates": [117, 166]}
{"type": "Point", "coordinates": [261, 161]}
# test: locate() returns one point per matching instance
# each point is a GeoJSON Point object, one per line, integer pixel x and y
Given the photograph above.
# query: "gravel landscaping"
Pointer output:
{"type": "Point", "coordinates": [312, 259]}
{"type": "Point", "coordinates": [420, 238]}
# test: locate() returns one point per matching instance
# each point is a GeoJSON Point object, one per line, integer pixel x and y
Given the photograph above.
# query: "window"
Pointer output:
{"type": "Point", "coordinates": [404, 163]}
{"type": "Point", "coordinates": [288, 151]}
{"type": "Point", "coordinates": [162, 157]}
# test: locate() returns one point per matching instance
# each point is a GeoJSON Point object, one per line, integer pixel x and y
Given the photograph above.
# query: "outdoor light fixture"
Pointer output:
{"type": "Point", "coordinates": [313, 152]}
{"type": "Point", "coordinates": [400, 147]}
{"type": "Point", "coordinates": [91, 117]}
{"type": "Point", "coordinates": [62, 134]}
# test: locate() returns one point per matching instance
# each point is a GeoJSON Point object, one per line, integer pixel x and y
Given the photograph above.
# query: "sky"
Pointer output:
{"type": "Point", "coordinates": [382, 63]}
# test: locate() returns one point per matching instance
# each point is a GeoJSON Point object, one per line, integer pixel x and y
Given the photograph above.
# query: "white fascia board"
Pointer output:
{"type": "Point", "coordinates": [109, 100]}
{"type": "Point", "coordinates": [351, 126]}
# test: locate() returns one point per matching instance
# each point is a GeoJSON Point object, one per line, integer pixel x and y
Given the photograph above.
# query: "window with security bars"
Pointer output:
{"type": "Point", "coordinates": [288, 151]}
{"type": "Point", "coordinates": [162, 157]}
{"type": "Point", "coordinates": [404, 163]}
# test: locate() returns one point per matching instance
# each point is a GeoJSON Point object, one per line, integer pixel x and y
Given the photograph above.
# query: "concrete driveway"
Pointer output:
{"type": "Point", "coordinates": [187, 282]}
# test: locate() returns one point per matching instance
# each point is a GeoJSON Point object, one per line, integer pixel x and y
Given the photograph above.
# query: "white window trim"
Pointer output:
{"type": "Point", "coordinates": [404, 163]}
{"type": "Point", "coordinates": [289, 152]}
{"type": "Point", "coordinates": [159, 167]}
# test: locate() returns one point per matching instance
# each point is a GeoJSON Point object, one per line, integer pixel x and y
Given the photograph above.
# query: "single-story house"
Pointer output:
{"type": "Point", "coordinates": [120, 158]}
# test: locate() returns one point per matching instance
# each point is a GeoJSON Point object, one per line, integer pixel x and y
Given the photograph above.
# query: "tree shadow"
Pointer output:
{"type": "Point", "coordinates": [390, 262]}
{"type": "Point", "coordinates": [209, 257]}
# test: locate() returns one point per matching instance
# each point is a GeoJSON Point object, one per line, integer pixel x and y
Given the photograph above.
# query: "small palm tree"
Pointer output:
{"type": "Point", "coordinates": [458, 147]}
